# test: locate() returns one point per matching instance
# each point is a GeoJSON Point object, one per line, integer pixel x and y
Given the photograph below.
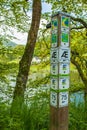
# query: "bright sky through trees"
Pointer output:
{"type": "Point", "coordinates": [22, 37]}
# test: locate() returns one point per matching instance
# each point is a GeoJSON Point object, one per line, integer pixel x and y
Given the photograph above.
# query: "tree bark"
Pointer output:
{"type": "Point", "coordinates": [25, 62]}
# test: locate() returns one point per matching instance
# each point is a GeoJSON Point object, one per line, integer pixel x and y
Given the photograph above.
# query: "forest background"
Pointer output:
{"type": "Point", "coordinates": [25, 83]}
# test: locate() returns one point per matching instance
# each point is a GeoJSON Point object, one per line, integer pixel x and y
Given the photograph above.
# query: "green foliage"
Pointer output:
{"type": "Point", "coordinates": [72, 7]}
{"type": "Point", "coordinates": [13, 13]}
{"type": "Point", "coordinates": [34, 115]}
{"type": "Point", "coordinates": [77, 117]}
{"type": "Point", "coordinates": [37, 115]}
{"type": "Point", "coordinates": [9, 58]}
{"type": "Point", "coordinates": [31, 116]}
{"type": "Point", "coordinates": [76, 83]}
{"type": "Point", "coordinates": [79, 53]}
{"type": "Point", "coordinates": [4, 116]}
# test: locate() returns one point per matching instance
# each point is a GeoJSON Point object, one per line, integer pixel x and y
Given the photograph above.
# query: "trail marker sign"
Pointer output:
{"type": "Point", "coordinates": [60, 71]}
{"type": "Point", "coordinates": [64, 69]}
{"type": "Point", "coordinates": [64, 54]}
{"type": "Point", "coordinates": [54, 83]}
{"type": "Point", "coordinates": [63, 83]}
{"type": "Point", "coordinates": [54, 55]}
{"type": "Point", "coordinates": [63, 99]}
{"type": "Point", "coordinates": [53, 99]}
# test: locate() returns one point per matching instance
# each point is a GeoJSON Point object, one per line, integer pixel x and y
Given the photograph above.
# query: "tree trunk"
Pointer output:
{"type": "Point", "coordinates": [25, 62]}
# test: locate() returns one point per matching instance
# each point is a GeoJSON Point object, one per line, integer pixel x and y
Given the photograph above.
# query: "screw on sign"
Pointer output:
{"type": "Point", "coordinates": [63, 83]}
{"type": "Point", "coordinates": [63, 99]}
{"type": "Point", "coordinates": [54, 31]}
{"type": "Point", "coordinates": [54, 24]}
{"type": "Point", "coordinates": [65, 24]}
{"type": "Point", "coordinates": [54, 69]}
{"type": "Point", "coordinates": [64, 39]}
{"type": "Point", "coordinates": [53, 99]}
{"type": "Point", "coordinates": [54, 83]}
{"type": "Point", "coordinates": [64, 54]}
{"type": "Point", "coordinates": [64, 69]}
{"type": "Point", "coordinates": [54, 55]}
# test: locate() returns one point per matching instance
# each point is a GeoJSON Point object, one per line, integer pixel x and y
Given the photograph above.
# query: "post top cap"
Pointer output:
{"type": "Point", "coordinates": [61, 13]}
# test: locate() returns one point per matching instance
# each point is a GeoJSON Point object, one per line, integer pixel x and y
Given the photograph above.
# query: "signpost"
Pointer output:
{"type": "Point", "coordinates": [60, 71]}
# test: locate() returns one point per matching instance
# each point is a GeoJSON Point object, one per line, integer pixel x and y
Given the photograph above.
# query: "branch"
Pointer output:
{"type": "Point", "coordinates": [74, 19]}
{"type": "Point", "coordinates": [80, 20]}
{"type": "Point", "coordinates": [81, 73]}
{"type": "Point", "coordinates": [80, 27]}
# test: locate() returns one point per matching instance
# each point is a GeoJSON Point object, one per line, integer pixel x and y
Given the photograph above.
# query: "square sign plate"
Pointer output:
{"type": "Point", "coordinates": [64, 39]}
{"type": "Point", "coordinates": [65, 22]}
{"type": "Point", "coordinates": [63, 99]}
{"type": "Point", "coordinates": [64, 69]}
{"type": "Point", "coordinates": [54, 83]}
{"type": "Point", "coordinates": [53, 99]}
{"type": "Point", "coordinates": [54, 69]}
{"type": "Point", "coordinates": [54, 24]}
{"type": "Point", "coordinates": [54, 55]}
{"type": "Point", "coordinates": [63, 83]}
{"type": "Point", "coordinates": [64, 54]}
{"type": "Point", "coordinates": [54, 40]}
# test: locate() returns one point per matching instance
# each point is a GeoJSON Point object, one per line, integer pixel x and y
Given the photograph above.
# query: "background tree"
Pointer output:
{"type": "Point", "coordinates": [25, 62]}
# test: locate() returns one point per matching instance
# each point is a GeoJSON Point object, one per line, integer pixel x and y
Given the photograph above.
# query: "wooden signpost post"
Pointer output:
{"type": "Point", "coordinates": [60, 70]}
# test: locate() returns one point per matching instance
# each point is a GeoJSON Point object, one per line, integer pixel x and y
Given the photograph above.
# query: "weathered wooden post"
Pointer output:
{"type": "Point", "coordinates": [60, 70]}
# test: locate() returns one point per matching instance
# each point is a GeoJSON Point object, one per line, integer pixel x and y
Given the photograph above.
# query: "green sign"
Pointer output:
{"type": "Point", "coordinates": [54, 24]}
{"type": "Point", "coordinates": [54, 38]}
{"type": "Point", "coordinates": [65, 37]}
{"type": "Point", "coordinates": [65, 21]}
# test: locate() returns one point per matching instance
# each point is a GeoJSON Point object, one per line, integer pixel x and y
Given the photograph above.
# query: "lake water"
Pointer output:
{"type": "Point", "coordinates": [77, 97]}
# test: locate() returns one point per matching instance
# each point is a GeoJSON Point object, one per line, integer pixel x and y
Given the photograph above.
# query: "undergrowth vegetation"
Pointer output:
{"type": "Point", "coordinates": [36, 116]}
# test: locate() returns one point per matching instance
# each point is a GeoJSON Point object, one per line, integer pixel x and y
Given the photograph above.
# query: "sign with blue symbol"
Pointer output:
{"type": "Point", "coordinates": [54, 69]}
{"type": "Point", "coordinates": [63, 99]}
{"type": "Point", "coordinates": [63, 83]}
{"type": "Point", "coordinates": [64, 39]}
{"type": "Point", "coordinates": [65, 22]}
{"type": "Point", "coordinates": [54, 83]}
{"type": "Point", "coordinates": [54, 24]}
{"type": "Point", "coordinates": [53, 99]}
{"type": "Point", "coordinates": [64, 69]}
{"type": "Point", "coordinates": [54, 40]}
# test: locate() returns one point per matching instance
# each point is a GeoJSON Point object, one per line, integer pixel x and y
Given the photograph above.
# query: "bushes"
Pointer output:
{"type": "Point", "coordinates": [77, 117]}
{"type": "Point", "coordinates": [29, 117]}
{"type": "Point", "coordinates": [4, 116]}
{"type": "Point", "coordinates": [35, 116]}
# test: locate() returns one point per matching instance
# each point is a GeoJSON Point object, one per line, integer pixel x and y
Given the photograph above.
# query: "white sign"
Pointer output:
{"type": "Point", "coordinates": [54, 69]}
{"type": "Point", "coordinates": [63, 82]}
{"type": "Point", "coordinates": [53, 99]}
{"type": "Point", "coordinates": [54, 23]}
{"type": "Point", "coordinates": [54, 55]}
{"type": "Point", "coordinates": [64, 69]}
{"type": "Point", "coordinates": [63, 99]}
{"type": "Point", "coordinates": [54, 83]}
{"type": "Point", "coordinates": [65, 22]}
{"type": "Point", "coordinates": [64, 54]}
